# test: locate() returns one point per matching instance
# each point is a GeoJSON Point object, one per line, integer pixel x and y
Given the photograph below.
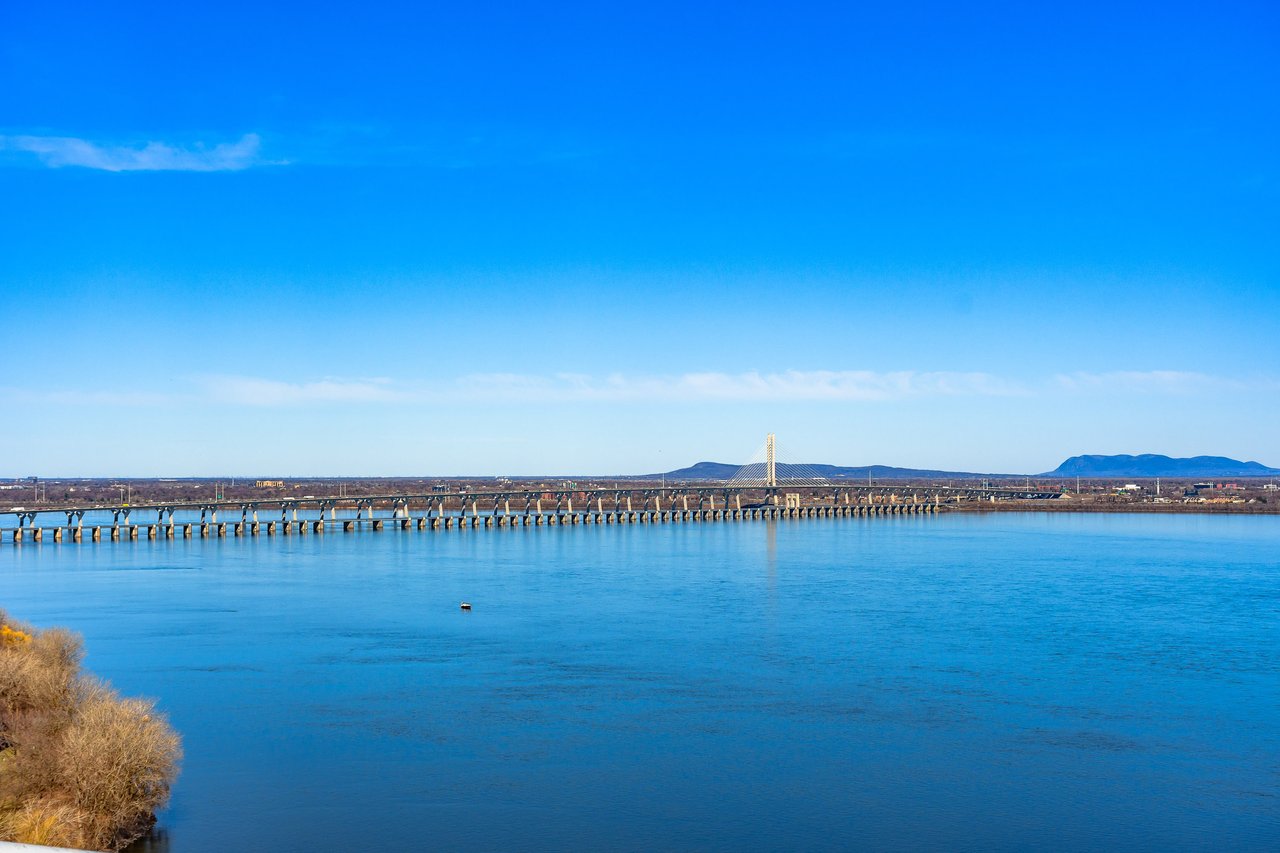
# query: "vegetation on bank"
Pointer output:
{"type": "Point", "coordinates": [80, 766]}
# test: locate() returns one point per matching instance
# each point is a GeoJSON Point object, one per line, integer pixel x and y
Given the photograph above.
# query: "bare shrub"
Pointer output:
{"type": "Point", "coordinates": [79, 766]}
{"type": "Point", "coordinates": [40, 673]}
{"type": "Point", "coordinates": [118, 760]}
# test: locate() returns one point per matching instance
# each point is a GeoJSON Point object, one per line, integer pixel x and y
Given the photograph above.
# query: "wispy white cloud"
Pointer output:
{"type": "Point", "coordinates": [833, 386]}
{"type": "Point", "coordinates": [59, 151]}
{"type": "Point", "coordinates": [794, 385]}
{"type": "Point", "coordinates": [751, 386]}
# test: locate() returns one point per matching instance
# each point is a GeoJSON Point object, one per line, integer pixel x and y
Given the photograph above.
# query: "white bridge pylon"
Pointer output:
{"type": "Point", "coordinates": [770, 468]}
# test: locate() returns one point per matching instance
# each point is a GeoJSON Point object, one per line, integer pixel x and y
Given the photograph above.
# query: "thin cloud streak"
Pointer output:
{"type": "Point", "coordinates": [816, 386]}
{"type": "Point", "coordinates": [795, 385]}
{"type": "Point", "coordinates": [60, 151]}
{"type": "Point", "coordinates": [752, 386]}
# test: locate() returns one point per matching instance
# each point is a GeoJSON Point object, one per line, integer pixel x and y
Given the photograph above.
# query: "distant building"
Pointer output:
{"type": "Point", "coordinates": [269, 484]}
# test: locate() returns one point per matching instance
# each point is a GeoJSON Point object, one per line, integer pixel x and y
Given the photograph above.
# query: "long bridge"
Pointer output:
{"type": "Point", "coordinates": [742, 498]}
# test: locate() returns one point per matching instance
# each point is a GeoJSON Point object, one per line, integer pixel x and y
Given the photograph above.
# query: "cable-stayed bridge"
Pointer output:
{"type": "Point", "coordinates": [767, 469]}
{"type": "Point", "coordinates": [764, 488]}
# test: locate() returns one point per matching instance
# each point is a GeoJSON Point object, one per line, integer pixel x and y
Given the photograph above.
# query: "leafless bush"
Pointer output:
{"type": "Point", "coordinates": [118, 759]}
{"type": "Point", "coordinates": [79, 765]}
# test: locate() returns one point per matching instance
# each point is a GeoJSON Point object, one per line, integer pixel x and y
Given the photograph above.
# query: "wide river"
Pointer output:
{"type": "Point", "coordinates": [979, 682]}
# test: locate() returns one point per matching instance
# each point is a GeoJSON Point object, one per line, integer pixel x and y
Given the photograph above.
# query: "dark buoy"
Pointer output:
{"type": "Point", "coordinates": [465, 605]}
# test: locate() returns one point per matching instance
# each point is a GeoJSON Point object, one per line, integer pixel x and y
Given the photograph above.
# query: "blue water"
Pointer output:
{"type": "Point", "coordinates": [980, 682]}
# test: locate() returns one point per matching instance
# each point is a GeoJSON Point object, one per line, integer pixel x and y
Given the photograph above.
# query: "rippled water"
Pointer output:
{"type": "Point", "coordinates": [962, 682]}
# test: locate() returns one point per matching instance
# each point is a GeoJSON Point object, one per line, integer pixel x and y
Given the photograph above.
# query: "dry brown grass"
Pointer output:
{"type": "Point", "coordinates": [45, 823]}
{"type": "Point", "coordinates": [79, 765]}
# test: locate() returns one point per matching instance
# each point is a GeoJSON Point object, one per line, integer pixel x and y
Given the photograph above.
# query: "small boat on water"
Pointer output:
{"type": "Point", "coordinates": [466, 605]}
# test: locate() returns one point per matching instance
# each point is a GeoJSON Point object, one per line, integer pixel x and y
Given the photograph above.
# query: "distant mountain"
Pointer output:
{"type": "Point", "coordinates": [725, 470]}
{"type": "Point", "coordinates": [1151, 465]}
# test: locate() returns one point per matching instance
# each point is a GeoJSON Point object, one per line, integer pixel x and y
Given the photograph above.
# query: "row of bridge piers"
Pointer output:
{"type": "Point", "coordinates": [402, 519]}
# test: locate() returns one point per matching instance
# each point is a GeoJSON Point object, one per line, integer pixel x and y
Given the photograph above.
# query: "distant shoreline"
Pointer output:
{"type": "Point", "coordinates": [1093, 508]}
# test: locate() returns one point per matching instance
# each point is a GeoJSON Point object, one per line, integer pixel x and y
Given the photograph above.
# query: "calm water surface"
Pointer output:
{"type": "Point", "coordinates": [964, 682]}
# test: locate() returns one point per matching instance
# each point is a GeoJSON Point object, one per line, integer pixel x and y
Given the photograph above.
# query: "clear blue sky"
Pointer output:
{"type": "Point", "coordinates": [257, 238]}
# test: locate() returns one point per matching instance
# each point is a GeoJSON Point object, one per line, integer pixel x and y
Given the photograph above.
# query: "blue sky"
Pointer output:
{"type": "Point", "coordinates": [505, 239]}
